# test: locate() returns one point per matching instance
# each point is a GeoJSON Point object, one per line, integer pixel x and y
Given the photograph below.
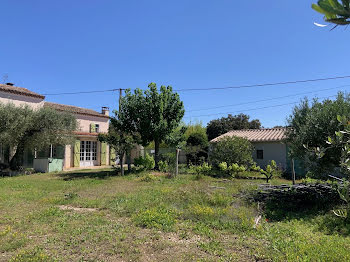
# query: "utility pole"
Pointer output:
{"type": "Point", "coordinates": [120, 97]}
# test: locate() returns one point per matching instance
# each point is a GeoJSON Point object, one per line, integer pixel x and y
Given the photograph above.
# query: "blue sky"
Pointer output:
{"type": "Point", "coordinates": [82, 45]}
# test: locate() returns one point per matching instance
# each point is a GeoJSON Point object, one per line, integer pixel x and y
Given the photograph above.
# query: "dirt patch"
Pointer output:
{"type": "Point", "coordinates": [77, 209]}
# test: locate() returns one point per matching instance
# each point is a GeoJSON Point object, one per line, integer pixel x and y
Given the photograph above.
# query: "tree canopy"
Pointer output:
{"type": "Point", "coordinates": [310, 126]}
{"type": "Point", "coordinates": [151, 113]}
{"type": "Point", "coordinates": [22, 127]}
{"type": "Point", "coordinates": [334, 11]}
{"type": "Point", "coordinates": [221, 126]}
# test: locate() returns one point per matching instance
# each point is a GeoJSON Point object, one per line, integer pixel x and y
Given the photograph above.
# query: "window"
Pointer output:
{"type": "Point", "coordinates": [97, 128]}
{"type": "Point", "coordinates": [259, 154]}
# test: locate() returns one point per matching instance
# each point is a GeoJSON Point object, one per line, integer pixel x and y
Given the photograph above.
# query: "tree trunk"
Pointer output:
{"type": "Point", "coordinates": [128, 160]}
{"type": "Point", "coordinates": [177, 162]}
{"type": "Point", "coordinates": [17, 159]}
{"type": "Point", "coordinates": [121, 159]}
{"type": "Point", "coordinates": [293, 171]}
{"type": "Point", "coordinates": [156, 154]}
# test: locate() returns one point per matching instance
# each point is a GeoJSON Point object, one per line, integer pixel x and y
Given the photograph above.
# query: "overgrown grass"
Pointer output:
{"type": "Point", "coordinates": [151, 217]}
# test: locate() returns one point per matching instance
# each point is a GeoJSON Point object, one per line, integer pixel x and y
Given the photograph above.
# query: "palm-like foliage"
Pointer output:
{"type": "Point", "coordinates": [334, 11]}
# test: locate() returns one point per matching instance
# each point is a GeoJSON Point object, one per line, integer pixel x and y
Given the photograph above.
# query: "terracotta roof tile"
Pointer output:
{"type": "Point", "coordinates": [256, 135]}
{"type": "Point", "coordinates": [74, 109]}
{"type": "Point", "coordinates": [19, 91]}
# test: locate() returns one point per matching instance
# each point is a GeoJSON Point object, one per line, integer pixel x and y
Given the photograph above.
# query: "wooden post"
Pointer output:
{"type": "Point", "coordinates": [177, 162]}
{"type": "Point", "coordinates": [293, 171]}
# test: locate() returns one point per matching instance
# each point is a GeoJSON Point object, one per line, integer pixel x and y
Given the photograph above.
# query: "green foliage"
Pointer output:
{"type": "Point", "coordinates": [22, 127]}
{"type": "Point", "coordinates": [147, 162]}
{"type": "Point", "coordinates": [231, 150]}
{"type": "Point", "coordinates": [233, 170]}
{"type": "Point", "coordinates": [201, 170]}
{"type": "Point", "coordinates": [151, 113]}
{"type": "Point", "coordinates": [270, 171]}
{"type": "Point", "coordinates": [148, 178]}
{"type": "Point", "coordinates": [334, 11]}
{"type": "Point", "coordinates": [157, 217]}
{"type": "Point", "coordinates": [163, 166]}
{"type": "Point", "coordinates": [310, 127]}
{"type": "Point", "coordinates": [196, 145]}
{"type": "Point", "coordinates": [221, 126]}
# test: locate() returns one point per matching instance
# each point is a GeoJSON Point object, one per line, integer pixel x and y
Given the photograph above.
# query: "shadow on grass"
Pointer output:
{"type": "Point", "coordinates": [97, 174]}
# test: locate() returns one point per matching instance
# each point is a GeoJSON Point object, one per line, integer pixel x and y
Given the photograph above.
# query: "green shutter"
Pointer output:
{"type": "Point", "coordinates": [76, 153]}
{"type": "Point", "coordinates": [103, 153]}
{"type": "Point", "coordinates": [111, 155]}
{"type": "Point", "coordinates": [92, 128]}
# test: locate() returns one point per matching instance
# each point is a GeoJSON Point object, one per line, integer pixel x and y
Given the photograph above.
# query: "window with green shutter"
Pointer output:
{"type": "Point", "coordinates": [103, 154]}
{"type": "Point", "coordinates": [76, 153]}
{"type": "Point", "coordinates": [112, 156]}
{"type": "Point", "coordinates": [92, 128]}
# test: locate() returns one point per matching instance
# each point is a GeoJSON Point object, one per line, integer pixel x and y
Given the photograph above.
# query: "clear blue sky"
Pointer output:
{"type": "Point", "coordinates": [82, 45]}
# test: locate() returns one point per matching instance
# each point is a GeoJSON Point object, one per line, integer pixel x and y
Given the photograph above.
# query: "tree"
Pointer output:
{"type": "Point", "coordinates": [310, 126]}
{"type": "Point", "coordinates": [221, 126]}
{"type": "Point", "coordinates": [232, 150]}
{"type": "Point", "coordinates": [120, 138]}
{"type": "Point", "coordinates": [151, 113]}
{"type": "Point", "coordinates": [23, 127]}
{"type": "Point", "coordinates": [334, 11]}
{"type": "Point", "coordinates": [197, 147]}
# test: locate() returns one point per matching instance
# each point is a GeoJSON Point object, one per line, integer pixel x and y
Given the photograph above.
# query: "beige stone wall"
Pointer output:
{"type": "Point", "coordinates": [85, 121]}
{"type": "Point", "coordinates": [20, 100]}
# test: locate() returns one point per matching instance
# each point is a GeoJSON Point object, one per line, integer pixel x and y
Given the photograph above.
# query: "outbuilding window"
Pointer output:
{"type": "Point", "coordinates": [259, 154]}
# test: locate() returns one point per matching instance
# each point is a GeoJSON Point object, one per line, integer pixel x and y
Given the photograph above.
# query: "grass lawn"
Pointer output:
{"type": "Point", "coordinates": [95, 216]}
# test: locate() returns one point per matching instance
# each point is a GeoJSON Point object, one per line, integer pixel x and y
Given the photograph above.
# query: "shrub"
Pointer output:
{"type": "Point", "coordinates": [147, 162]}
{"type": "Point", "coordinates": [163, 166]}
{"type": "Point", "coordinates": [202, 170]}
{"type": "Point", "coordinates": [270, 171]}
{"type": "Point", "coordinates": [233, 170]}
{"type": "Point", "coordinates": [231, 150]}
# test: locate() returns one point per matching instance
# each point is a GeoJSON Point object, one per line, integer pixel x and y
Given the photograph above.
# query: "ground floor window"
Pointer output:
{"type": "Point", "coordinates": [259, 154]}
{"type": "Point", "coordinates": [88, 153]}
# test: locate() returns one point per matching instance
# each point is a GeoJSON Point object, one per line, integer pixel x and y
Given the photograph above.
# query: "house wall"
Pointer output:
{"type": "Point", "coordinates": [20, 100]}
{"type": "Point", "coordinates": [272, 151]}
{"type": "Point", "coordinates": [85, 121]}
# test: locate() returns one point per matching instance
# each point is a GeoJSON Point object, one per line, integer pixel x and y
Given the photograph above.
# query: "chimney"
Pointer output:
{"type": "Point", "coordinates": [9, 84]}
{"type": "Point", "coordinates": [105, 111]}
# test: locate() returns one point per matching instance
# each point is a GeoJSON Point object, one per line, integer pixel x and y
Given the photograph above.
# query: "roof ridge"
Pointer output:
{"type": "Point", "coordinates": [72, 106]}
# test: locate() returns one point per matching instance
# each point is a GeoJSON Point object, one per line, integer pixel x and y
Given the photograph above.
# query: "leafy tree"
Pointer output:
{"type": "Point", "coordinates": [23, 127]}
{"type": "Point", "coordinates": [119, 138]}
{"type": "Point", "coordinates": [151, 113]}
{"type": "Point", "coordinates": [310, 126]}
{"type": "Point", "coordinates": [334, 11]}
{"type": "Point", "coordinates": [232, 150]}
{"type": "Point", "coordinates": [221, 126]}
{"type": "Point", "coordinates": [197, 148]}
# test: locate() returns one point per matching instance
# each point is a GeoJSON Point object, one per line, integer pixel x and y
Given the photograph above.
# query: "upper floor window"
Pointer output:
{"type": "Point", "coordinates": [97, 128]}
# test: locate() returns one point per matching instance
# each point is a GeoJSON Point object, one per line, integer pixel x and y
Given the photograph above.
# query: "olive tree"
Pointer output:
{"type": "Point", "coordinates": [22, 127]}
{"type": "Point", "coordinates": [310, 126]}
{"type": "Point", "coordinates": [153, 113]}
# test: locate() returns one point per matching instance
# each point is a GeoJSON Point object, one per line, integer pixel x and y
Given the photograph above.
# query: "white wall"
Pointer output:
{"type": "Point", "coordinates": [272, 151]}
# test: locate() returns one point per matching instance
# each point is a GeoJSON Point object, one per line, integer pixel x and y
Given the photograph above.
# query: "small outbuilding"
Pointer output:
{"type": "Point", "coordinates": [268, 145]}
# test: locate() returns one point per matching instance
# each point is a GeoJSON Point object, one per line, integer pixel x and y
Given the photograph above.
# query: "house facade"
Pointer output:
{"type": "Point", "coordinates": [86, 152]}
{"type": "Point", "coordinates": [268, 145]}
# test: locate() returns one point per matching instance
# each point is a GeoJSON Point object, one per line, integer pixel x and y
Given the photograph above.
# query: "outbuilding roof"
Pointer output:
{"type": "Point", "coordinates": [74, 109]}
{"type": "Point", "coordinates": [257, 135]}
{"type": "Point", "coordinates": [19, 91]}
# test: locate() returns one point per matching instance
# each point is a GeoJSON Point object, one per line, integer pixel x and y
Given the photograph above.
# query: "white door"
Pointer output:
{"type": "Point", "coordinates": [88, 153]}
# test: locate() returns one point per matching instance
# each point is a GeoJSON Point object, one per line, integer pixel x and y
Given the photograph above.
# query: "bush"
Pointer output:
{"type": "Point", "coordinates": [202, 170]}
{"type": "Point", "coordinates": [147, 162]}
{"type": "Point", "coordinates": [233, 170]}
{"type": "Point", "coordinates": [231, 150]}
{"type": "Point", "coordinates": [163, 166]}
